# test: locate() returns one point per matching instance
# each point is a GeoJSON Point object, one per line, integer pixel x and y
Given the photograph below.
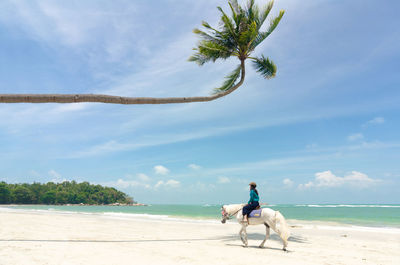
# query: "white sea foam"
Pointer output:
{"type": "Point", "coordinates": [347, 205]}
{"type": "Point", "coordinates": [161, 217]}
{"type": "Point", "coordinates": [155, 217]}
{"type": "Point", "coordinates": [5, 209]}
{"type": "Point", "coordinates": [136, 215]}
{"type": "Point", "coordinates": [388, 230]}
{"type": "Point", "coordinates": [113, 215]}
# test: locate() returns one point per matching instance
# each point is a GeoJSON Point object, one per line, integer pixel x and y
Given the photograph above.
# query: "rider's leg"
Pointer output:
{"type": "Point", "coordinates": [245, 218]}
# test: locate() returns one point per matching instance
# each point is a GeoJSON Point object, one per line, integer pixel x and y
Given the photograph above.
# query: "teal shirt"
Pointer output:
{"type": "Point", "coordinates": [253, 197]}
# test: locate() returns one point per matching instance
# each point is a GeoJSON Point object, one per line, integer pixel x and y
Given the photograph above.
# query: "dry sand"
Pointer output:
{"type": "Point", "coordinates": [55, 238]}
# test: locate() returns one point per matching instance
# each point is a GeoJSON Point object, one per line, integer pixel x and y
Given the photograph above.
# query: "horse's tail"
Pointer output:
{"type": "Point", "coordinates": [282, 228]}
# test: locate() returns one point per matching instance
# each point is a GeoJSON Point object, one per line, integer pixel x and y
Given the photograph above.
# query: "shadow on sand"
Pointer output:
{"type": "Point", "coordinates": [109, 241]}
{"type": "Point", "coordinates": [229, 238]}
{"type": "Point", "coordinates": [260, 237]}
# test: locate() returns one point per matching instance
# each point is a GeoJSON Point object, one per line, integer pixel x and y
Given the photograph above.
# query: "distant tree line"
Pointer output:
{"type": "Point", "coordinates": [61, 193]}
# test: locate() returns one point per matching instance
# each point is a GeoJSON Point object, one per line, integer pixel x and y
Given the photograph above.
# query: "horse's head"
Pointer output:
{"type": "Point", "coordinates": [224, 214]}
{"type": "Point", "coordinates": [230, 210]}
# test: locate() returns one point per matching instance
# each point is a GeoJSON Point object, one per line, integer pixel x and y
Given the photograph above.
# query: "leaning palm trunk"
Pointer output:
{"type": "Point", "coordinates": [237, 36]}
{"type": "Point", "coordinates": [76, 98]}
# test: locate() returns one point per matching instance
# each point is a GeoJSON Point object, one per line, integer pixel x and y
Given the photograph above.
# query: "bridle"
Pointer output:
{"type": "Point", "coordinates": [228, 216]}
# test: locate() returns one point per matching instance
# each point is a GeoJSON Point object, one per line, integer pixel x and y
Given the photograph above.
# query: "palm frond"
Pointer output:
{"type": "Point", "coordinates": [198, 58]}
{"type": "Point", "coordinates": [234, 4]}
{"type": "Point", "coordinates": [237, 13]}
{"type": "Point", "coordinates": [234, 14]}
{"type": "Point", "coordinates": [237, 35]}
{"type": "Point", "coordinates": [274, 22]}
{"type": "Point", "coordinates": [229, 80]}
{"type": "Point", "coordinates": [265, 12]}
{"type": "Point", "coordinates": [216, 38]}
{"type": "Point", "coordinates": [214, 50]}
{"type": "Point", "coordinates": [256, 15]}
{"type": "Point", "coordinates": [209, 51]}
{"type": "Point", "coordinates": [206, 36]}
{"type": "Point", "coordinates": [227, 24]}
{"type": "Point", "coordinates": [265, 67]}
{"type": "Point", "coordinates": [250, 34]}
{"type": "Point", "coordinates": [250, 10]}
{"type": "Point", "coordinates": [253, 13]}
{"type": "Point", "coordinates": [206, 25]}
{"type": "Point", "coordinates": [263, 35]}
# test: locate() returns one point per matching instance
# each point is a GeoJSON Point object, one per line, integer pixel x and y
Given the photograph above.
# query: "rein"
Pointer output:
{"type": "Point", "coordinates": [231, 215]}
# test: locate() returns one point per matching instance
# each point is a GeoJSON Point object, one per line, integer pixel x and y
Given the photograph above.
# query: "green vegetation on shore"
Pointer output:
{"type": "Point", "coordinates": [61, 193]}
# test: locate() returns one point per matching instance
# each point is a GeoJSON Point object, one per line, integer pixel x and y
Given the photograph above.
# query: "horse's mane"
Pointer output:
{"type": "Point", "coordinates": [232, 208]}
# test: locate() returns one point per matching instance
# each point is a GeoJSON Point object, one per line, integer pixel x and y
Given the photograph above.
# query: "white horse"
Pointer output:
{"type": "Point", "coordinates": [270, 218]}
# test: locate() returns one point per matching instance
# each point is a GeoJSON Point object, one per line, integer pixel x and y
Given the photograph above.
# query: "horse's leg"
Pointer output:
{"type": "Point", "coordinates": [241, 234]}
{"type": "Point", "coordinates": [245, 235]}
{"type": "Point", "coordinates": [266, 235]}
{"type": "Point", "coordinates": [284, 245]}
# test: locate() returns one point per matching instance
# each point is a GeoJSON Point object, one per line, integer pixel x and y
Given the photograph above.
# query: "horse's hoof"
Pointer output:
{"type": "Point", "coordinates": [261, 246]}
{"type": "Point", "coordinates": [284, 249]}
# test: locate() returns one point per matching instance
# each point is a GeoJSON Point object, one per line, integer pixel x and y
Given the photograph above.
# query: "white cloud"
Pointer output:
{"type": "Point", "coordinates": [328, 179]}
{"type": "Point", "coordinates": [159, 184]}
{"type": "Point", "coordinates": [70, 108]}
{"type": "Point", "coordinates": [168, 184]}
{"type": "Point", "coordinates": [104, 148]}
{"type": "Point", "coordinates": [288, 182]}
{"type": "Point", "coordinates": [54, 174]}
{"type": "Point", "coordinates": [143, 177]}
{"type": "Point", "coordinates": [124, 184]}
{"type": "Point", "coordinates": [56, 177]}
{"type": "Point", "coordinates": [173, 183]}
{"type": "Point", "coordinates": [277, 163]}
{"type": "Point", "coordinates": [194, 166]}
{"type": "Point", "coordinates": [374, 121]}
{"type": "Point", "coordinates": [141, 180]}
{"type": "Point", "coordinates": [355, 137]}
{"type": "Point", "coordinates": [113, 146]}
{"type": "Point", "coordinates": [199, 186]}
{"type": "Point", "coordinates": [161, 170]}
{"type": "Point", "coordinates": [223, 180]}
{"type": "Point", "coordinates": [104, 29]}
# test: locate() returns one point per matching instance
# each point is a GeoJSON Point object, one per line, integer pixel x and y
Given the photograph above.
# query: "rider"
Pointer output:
{"type": "Point", "coordinates": [253, 202]}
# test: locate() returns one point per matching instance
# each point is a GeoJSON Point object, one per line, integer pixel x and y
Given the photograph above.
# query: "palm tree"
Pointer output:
{"type": "Point", "coordinates": [237, 36]}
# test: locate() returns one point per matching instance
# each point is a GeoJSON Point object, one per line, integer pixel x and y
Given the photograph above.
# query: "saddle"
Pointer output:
{"type": "Point", "coordinates": [256, 213]}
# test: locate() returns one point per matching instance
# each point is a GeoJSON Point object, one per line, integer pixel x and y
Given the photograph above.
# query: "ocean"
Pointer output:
{"type": "Point", "coordinates": [376, 215]}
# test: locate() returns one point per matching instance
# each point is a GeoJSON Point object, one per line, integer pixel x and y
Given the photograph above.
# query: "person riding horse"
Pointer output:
{"type": "Point", "coordinates": [253, 203]}
{"type": "Point", "coordinates": [270, 218]}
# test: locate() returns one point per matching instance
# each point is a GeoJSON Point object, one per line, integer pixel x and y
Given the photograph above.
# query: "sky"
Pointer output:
{"type": "Point", "coordinates": [324, 130]}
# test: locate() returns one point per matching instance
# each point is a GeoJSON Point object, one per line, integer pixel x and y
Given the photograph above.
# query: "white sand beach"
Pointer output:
{"type": "Point", "coordinates": [57, 238]}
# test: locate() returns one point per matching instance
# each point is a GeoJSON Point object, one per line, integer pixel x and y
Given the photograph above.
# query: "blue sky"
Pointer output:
{"type": "Point", "coordinates": [325, 130]}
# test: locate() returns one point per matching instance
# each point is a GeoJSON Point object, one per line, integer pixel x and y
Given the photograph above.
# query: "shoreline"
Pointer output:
{"type": "Point", "coordinates": [293, 223]}
{"type": "Point", "coordinates": [55, 238]}
{"type": "Point", "coordinates": [80, 204]}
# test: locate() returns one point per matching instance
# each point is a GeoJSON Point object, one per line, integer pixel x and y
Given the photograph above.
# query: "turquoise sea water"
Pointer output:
{"type": "Point", "coordinates": [362, 215]}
